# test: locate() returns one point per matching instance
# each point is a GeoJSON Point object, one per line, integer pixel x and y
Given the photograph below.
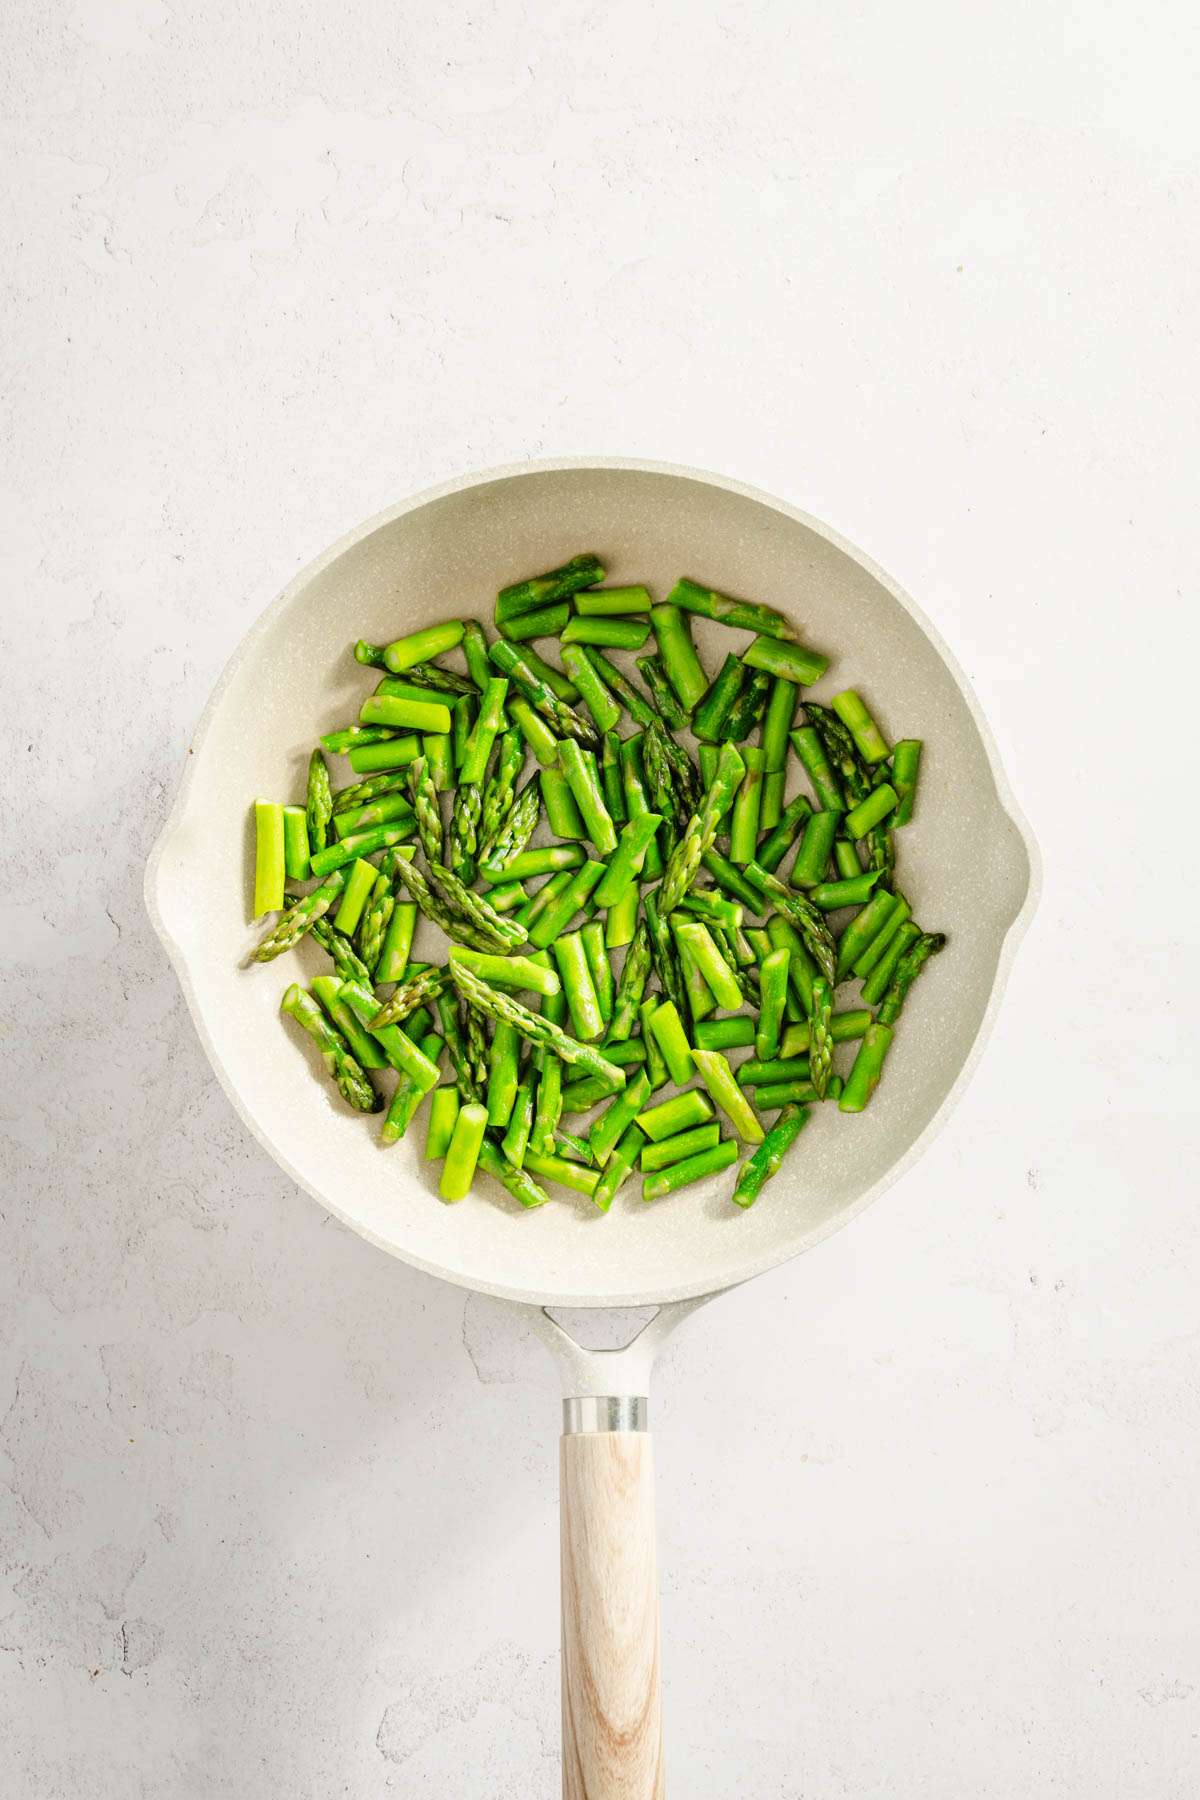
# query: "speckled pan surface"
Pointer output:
{"type": "Point", "coordinates": [968, 866]}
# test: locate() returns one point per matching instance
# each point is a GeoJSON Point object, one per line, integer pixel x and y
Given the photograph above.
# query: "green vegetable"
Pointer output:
{"type": "Point", "coordinates": [423, 646]}
{"type": "Point", "coordinates": [693, 1168]}
{"type": "Point", "coordinates": [582, 571]}
{"type": "Point", "coordinates": [269, 870]}
{"type": "Point", "coordinates": [790, 662]}
{"type": "Point", "coordinates": [581, 770]}
{"type": "Point", "coordinates": [413, 992]}
{"type": "Point", "coordinates": [683, 667]}
{"type": "Point", "coordinates": [537, 1030]}
{"type": "Point", "coordinates": [443, 1111]}
{"type": "Point", "coordinates": [724, 1034]}
{"type": "Point", "coordinates": [358, 887]}
{"type": "Point", "coordinates": [547, 621]}
{"type": "Point", "coordinates": [666, 1027]}
{"type": "Point", "coordinates": [906, 763]}
{"type": "Point", "coordinates": [458, 1170]}
{"type": "Point", "coordinates": [868, 813]}
{"type": "Point", "coordinates": [587, 1019]}
{"type": "Point", "coordinates": [519, 1182]}
{"type": "Point", "coordinates": [717, 1076]}
{"type": "Point", "coordinates": [404, 715]}
{"type": "Point", "coordinates": [618, 1167]}
{"type": "Point", "coordinates": [567, 1174]}
{"type": "Point", "coordinates": [522, 972]}
{"type": "Point", "coordinates": [758, 1168]}
{"type": "Point", "coordinates": [618, 633]}
{"type": "Point", "coordinates": [773, 988]}
{"type": "Point", "coordinates": [743, 831]}
{"type": "Point", "coordinates": [829, 895]}
{"type": "Point", "coordinates": [844, 1027]}
{"type": "Point", "coordinates": [351, 1083]}
{"type": "Point", "coordinates": [680, 1147]}
{"type": "Point", "coordinates": [598, 602]}
{"type": "Point", "coordinates": [863, 927]}
{"type": "Point", "coordinates": [743, 615]}
{"type": "Point", "coordinates": [662, 693]}
{"type": "Point", "coordinates": [600, 968]}
{"type": "Point", "coordinates": [868, 738]}
{"type": "Point", "coordinates": [816, 846]}
{"type": "Point", "coordinates": [678, 1113]}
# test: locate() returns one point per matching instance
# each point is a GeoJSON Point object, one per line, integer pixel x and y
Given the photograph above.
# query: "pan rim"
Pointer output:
{"type": "Point", "coordinates": [756, 1265]}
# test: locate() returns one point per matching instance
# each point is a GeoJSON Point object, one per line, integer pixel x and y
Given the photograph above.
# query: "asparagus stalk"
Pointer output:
{"type": "Point", "coordinates": [618, 1167]}
{"type": "Point", "coordinates": [717, 1077]}
{"type": "Point", "coordinates": [347, 1074]}
{"type": "Point", "coordinates": [537, 1030]}
{"type": "Point", "coordinates": [583, 571]}
{"type": "Point", "coordinates": [679, 1113]}
{"type": "Point", "coordinates": [515, 662]}
{"type": "Point", "coordinates": [520, 972]}
{"type": "Point", "coordinates": [906, 763]}
{"type": "Point", "coordinates": [428, 984]}
{"type": "Point", "coordinates": [269, 871]}
{"type": "Point", "coordinates": [426, 809]}
{"type": "Point", "coordinates": [683, 667]}
{"type": "Point", "coordinates": [476, 910]}
{"type": "Point", "coordinates": [700, 831]}
{"type": "Point", "coordinates": [579, 767]}
{"type": "Point", "coordinates": [458, 1170]}
{"type": "Point", "coordinates": [300, 918]}
{"type": "Point", "coordinates": [679, 1148]}
{"type": "Point", "coordinates": [867, 736]}
{"type": "Point", "coordinates": [743, 615]}
{"type": "Point", "coordinates": [519, 1182]}
{"type": "Point", "coordinates": [616, 633]}
{"type": "Point", "coordinates": [801, 913]}
{"type": "Point", "coordinates": [758, 1168]}
{"type": "Point", "coordinates": [662, 693]}
{"type": "Point", "coordinates": [790, 662]}
{"type": "Point", "coordinates": [693, 1168]}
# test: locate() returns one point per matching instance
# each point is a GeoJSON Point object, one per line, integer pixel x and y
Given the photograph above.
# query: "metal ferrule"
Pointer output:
{"type": "Point", "coordinates": [604, 1412]}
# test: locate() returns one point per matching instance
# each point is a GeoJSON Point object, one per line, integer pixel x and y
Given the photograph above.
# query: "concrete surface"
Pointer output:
{"type": "Point", "coordinates": [278, 1517]}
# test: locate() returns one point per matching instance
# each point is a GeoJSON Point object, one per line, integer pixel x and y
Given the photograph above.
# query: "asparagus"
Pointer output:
{"type": "Point", "coordinates": [439, 759]}
{"type": "Point", "coordinates": [403, 714]}
{"type": "Point", "coordinates": [863, 928]}
{"type": "Point", "coordinates": [440, 911]}
{"type": "Point", "coordinates": [635, 702]}
{"type": "Point", "coordinates": [756, 1073]}
{"type": "Point", "coordinates": [743, 615]}
{"type": "Point", "coordinates": [562, 909]}
{"type": "Point", "coordinates": [508, 896]}
{"type": "Point", "coordinates": [579, 767]}
{"type": "Point", "coordinates": [484, 733]}
{"type": "Point", "coordinates": [790, 662]}
{"type": "Point", "coordinates": [351, 1082]}
{"type": "Point", "coordinates": [451, 1017]}
{"type": "Point", "coordinates": [679, 1113]}
{"type": "Point", "coordinates": [345, 958]}
{"type": "Point", "coordinates": [701, 830]}
{"type": "Point", "coordinates": [693, 1168]}
{"type": "Point", "coordinates": [779, 840]}
{"type": "Point", "coordinates": [636, 803]}
{"type": "Point", "coordinates": [911, 962]}
{"type": "Point", "coordinates": [359, 793]}
{"type": "Point", "coordinates": [717, 1076]}
{"type": "Point", "coordinates": [516, 831]}
{"type": "Point", "coordinates": [567, 1174]}
{"type": "Point", "coordinates": [773, 992]}
{"type": "Point", "coordinates": [268, 857]}
{"type": "Point", "coordinates": [475, 1044]}
{"type": "Point", "coordinates": [614, 633]}
{"type": "Point", "coordinates": [844, 1027]}
{"type": "Point", "coordinates": [618, 1167]}
{"type": "Point", "coordinates": [547, 621]}
{"type": "Point", "coordinates": [732, 880]}
{"type": "Point", "coordinates": [839, 747]}
{"type": "Point", "coordinates": [829, 895]}
{"type": "Point", "coordinates": [747, 709]}
{"type": "Point", "coordinates": [462, 840]}
{"type": "Point", "coordinates": [617, 1117]}
{"type": "Point", "coordinates": [443, 1111]}
{"type": "Point", "coordinates": [537, 1030]}
{"type": "Point", "coordinates": [428, 984]}
{"type": "Point", "coordinates": [906, 763]}
{"type": "Point", "coordinates": [500, 792]}
{"type": "Point", "coordinates": [656, 1068]}
{"type": "Point", "coordinates": [300, 918]}
{"type": "Point", "coordinates": [758, 1168]}
{"type": "Point", "coordinates": [598, 603]}
{"type": "Point", "coordinates": [423, 646]}
{"type": "Point", "coordinates": [679, 1148]}
{"type": "Point", "coordinates": [503, 1074]}
{"type": "Point", "coordinates": [516, 1138]}
{"type": "Point", "coordinates": [370, 655]}
{"type": "Point", "coordinates": [816, 847]}
{"type": "Point", "coordinates": [632, 985]}
{"type": "Point", "coordinates": [442, 681]}
{"type": "Point", "coordinates": [458, 1170]}
{"type": "Point", "coordinates": [476, 910]}
{"type": "Point", "coordinates": [876, 984]}
{"type": "Point", "coordinates": [869, 812]}
{"type": "Point", "coordinates": [399, 1049]}
{"type": "Point", "coordinates": [663, 694]}
{"type": "Point", "coordinates": [863, 1078]}
{"type": "Point", "coordinates": [610, 777]}
{"type": "Point", "coordinates": [743, 829]}
{"type": "Point", "coordinates": [583, 571]}
{"type": "Point", "coordinates": [519, 1182]}
{"type": "Point", "coordinates": [707, 957]}
{"type": "Point", "coordinates": [663, 953]}
{"type": "Point", "coordinates": [868, 738]}
{"type": "Point", "coordinates": [575, 973]}
{"type": "Point", "coordinates": [661, 782]}
{"type": "Point", "coordinates": [397, 942]}
{"type": "Point", "coordinates": [426, 810]}
{"type": "Point", "coordinates": [600, 968]}
{"type": "Point", "coordinates": [683, 667]}
{"type": "Point", "coordinates": [377, 914]}
{"type": "Point", "coordinates": [802, 914]}
{"type": "Point", "coordinates": [708, 720]}
{"type": "Point", "coordinates": [319, 803]}
{"type": "Point", "coordinates": [522, 972]}
{"type": "Point", "coordinates": [567, 723]}
{"type": "Point", "coordinates": [592, 690]}
{"type": "Point", "coordinates": [666, 1028]}
{"type": "Point", "coordinates": [362, 1046]}
{"type": "Point", "coordinates": [295, 843]}
{"type": "Point", "coordinates": [820, 1059]}
{"type": "Point", "coordinates": [724, 1034]}
{"type": "Point", "coordinates": [475, 651]}
{"type": "Point", "coordinates": [360, 844]}
{"type": "Point", "coordinates": [388, 809]}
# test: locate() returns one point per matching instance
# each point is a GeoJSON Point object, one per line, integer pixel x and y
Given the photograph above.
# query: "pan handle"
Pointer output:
{"type": "Point", "coordinates": [611, 1694]}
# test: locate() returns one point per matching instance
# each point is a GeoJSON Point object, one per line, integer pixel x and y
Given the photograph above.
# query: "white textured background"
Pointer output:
{"type": "Point", "coordinates": [277, 1517]}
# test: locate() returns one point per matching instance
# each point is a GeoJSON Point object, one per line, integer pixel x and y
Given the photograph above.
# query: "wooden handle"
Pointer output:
{"type": "Point", "coordinates": [611, 1702]}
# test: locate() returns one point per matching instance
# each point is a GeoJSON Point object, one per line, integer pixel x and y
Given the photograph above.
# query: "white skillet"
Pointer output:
{"type": "Point", "coordinates": [969, 867]}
